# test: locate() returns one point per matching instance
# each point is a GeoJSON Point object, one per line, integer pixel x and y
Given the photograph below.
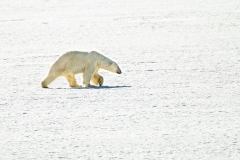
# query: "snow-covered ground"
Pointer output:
{"type": "Point", "coordinates": [177, 98]}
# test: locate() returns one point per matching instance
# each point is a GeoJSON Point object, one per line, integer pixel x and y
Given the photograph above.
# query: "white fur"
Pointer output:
{"type": "Point", "coordinates": [75, 62]}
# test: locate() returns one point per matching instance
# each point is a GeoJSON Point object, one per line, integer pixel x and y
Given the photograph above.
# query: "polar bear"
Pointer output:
{"type": "Point", "coordinates": [75, 62]}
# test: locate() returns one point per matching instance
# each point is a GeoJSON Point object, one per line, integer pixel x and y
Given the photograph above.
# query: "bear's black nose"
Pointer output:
{"type": "Point", "coordinates": [119, 71]}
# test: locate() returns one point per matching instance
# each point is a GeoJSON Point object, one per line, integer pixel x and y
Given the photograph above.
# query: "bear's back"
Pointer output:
{"type": "Point", "coordinates": [81, 54]}
{"type": "Point", "coordinates": [70, 54]}
{"type": "Point", "coordinates": [76, 57]}
{"type": "Point", "coordinates": [76, 61]}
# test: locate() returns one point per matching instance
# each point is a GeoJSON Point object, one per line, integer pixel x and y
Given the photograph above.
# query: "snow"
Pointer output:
{"type": "Point", "coordinates": [177, 98]}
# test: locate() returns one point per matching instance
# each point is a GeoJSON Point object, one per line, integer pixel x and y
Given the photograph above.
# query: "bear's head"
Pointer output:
{"type": "Point", "coordinates": [114, 68]}
{"type": "Point", "coordinates": [110, 65]}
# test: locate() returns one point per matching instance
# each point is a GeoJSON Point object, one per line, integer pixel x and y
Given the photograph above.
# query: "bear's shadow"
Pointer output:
{"type": "Point", "coordinates": [97, 87]}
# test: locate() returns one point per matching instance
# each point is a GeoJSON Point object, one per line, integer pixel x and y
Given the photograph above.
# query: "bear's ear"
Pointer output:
{"type": "Point", "coordinates": [111, 63]}
{"type": "Point", "coordinates": [98, 63]}
{"type": "Point", "coordinates": [108, 63]}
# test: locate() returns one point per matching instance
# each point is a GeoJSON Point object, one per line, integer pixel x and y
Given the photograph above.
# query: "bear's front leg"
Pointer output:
{"type": "Point", "coordinates": [86, 79]}
{"type": "Point", "coordinates": [100, 81]}
{"type": "Point", "coordinates": [97, 79]}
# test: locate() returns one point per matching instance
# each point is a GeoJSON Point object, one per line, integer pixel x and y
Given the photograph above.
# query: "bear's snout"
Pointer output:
{"type": "Point", "coordinates": [119, 71]}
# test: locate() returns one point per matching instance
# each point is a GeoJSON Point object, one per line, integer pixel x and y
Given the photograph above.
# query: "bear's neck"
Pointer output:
{"type": "Point", "coordinates": [105, 63]}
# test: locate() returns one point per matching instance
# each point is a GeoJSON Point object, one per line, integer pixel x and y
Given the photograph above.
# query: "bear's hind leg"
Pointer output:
{"type": "Point", "coordinates": [71, 80]}
{"type": "Point", "coordinates": [49, 79]}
